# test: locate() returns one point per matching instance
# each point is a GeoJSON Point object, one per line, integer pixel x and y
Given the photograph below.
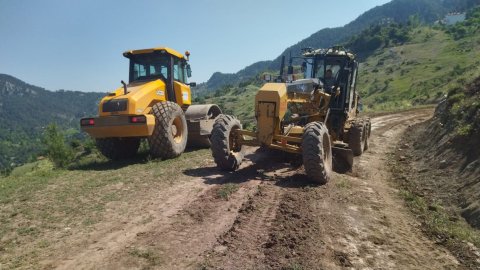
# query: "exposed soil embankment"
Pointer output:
{"type": "Point", "coordinates": [447, 149]}
{"type": "Point", "coordinates": [438, 164]}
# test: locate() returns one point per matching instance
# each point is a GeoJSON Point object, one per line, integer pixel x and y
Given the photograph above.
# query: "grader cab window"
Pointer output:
{"type": "Point", "coordinates": [320, 70]}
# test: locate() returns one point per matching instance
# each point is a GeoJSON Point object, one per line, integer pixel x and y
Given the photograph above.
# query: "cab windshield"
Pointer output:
{"type": "Point", "coordinates": [145, 67]}
{"type": "Point", "coordinates": [321, 67]}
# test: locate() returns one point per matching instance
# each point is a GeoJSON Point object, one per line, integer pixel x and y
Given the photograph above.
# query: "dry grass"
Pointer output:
{"type": "Point", "coordinates": [40, 206]}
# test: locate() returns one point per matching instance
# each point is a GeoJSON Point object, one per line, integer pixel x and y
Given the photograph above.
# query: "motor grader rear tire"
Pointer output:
{"type": "Point", "coordinates": [356, 138]}
{"type": "Point", "coordinates": [118, 148]}
{"type": "Point", "coordinates": [317, 152]}
{"type": "Point", "coordinates": [169, 137]}
{"type": "Point", "coordinates": [226, 152]}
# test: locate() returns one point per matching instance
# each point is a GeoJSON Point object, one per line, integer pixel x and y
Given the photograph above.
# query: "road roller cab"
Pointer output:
{"type": "Point", "coordinates": [156, 104]}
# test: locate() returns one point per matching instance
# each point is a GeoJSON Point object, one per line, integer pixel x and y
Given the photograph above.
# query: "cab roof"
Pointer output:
{"type": "Point", "coordinates": [334, 51]}
{"type": "Point", "coordinates": [151, 50]}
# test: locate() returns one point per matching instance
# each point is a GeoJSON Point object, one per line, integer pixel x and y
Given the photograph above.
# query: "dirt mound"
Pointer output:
{"type": "Point", "coordinates": [457, 165]}
{"type": "Point", "coordinates": [449, 144]}
{"type": "Point", "coordinates": [438, 164]}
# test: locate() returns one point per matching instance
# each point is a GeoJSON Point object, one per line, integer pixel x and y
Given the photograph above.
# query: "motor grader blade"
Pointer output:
{"type": "Point", "coordinates": [342, 159]}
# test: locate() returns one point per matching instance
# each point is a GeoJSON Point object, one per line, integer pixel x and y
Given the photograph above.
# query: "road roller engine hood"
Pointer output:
{"type": "Point", "coordinates": [139, 98]}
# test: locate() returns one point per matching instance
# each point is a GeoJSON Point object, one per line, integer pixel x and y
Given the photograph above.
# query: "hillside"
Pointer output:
{"type": "Point", "coordinates": [26, 109]}
{"type": "Point", "coordinates": [454, 136]}
{"type": "Point", "coordinates": [396, 74]}
{"type": "Point", "coordinates": [437, 166]}
{"type": "Point", "coordinates": [398, 11]}
{"type": "Point", "coordinates": [424, 69]}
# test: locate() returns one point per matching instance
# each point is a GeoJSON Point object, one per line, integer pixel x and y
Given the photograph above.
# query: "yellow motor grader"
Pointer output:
{"type": "Point", "coordinates": [155, 104]}
{"type": "Point", "coordinates": [315, 117]}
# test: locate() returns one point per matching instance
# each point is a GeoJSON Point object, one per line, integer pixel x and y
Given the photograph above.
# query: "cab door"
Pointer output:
{"type": "Point", "coordinates": [181, 88]}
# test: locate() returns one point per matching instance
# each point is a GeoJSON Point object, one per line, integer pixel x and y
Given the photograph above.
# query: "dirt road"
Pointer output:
{"type": "Point", "coordinates": [266, 216]}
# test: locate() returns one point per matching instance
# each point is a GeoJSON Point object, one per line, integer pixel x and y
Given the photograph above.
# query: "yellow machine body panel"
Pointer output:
{"type": "Point", "coordinates": [120, 126]}
{"type": "Point", "coordinates": [270, 108]}
{"type": "Point", "coordinates": [140, 98]}
{"type": "Point", "coordinates": [274, 93]}
{"type": "Point", "coordinates": [139, 101]}
{"type": "Point", "coordinates": [183, 94]}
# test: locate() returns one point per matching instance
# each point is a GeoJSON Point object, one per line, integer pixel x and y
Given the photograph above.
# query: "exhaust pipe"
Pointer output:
{"type": "Point", "coordinates": [124, 87]}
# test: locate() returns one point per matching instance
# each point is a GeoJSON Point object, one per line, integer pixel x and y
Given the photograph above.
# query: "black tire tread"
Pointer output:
{"type": "Point", "coordinates": [161, 142]}
{"type": "Point", "coordinates": [368, 130]}
{"type": "Point", "coordinates": [220, 143]}
{"type": "Point", "coordinates": [356, 137]}
{"type": "Point", "coordinates": [316, 167]}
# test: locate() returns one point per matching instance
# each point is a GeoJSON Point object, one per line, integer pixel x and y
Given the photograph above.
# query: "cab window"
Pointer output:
{"type": "Point", "coordinates": [179, 70]}
{"type": "Point", "coordinates": [148, 67]}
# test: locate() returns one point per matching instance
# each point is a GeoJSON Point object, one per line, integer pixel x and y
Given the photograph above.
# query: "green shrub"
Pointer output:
{"type": "Point", "coordinates": [464, 130]}
{"type": "Point", "coordinates": [57, 151]}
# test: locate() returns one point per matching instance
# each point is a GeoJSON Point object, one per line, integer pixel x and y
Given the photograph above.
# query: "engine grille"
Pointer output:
{"type": "Point", "coordinates": [115, 105]}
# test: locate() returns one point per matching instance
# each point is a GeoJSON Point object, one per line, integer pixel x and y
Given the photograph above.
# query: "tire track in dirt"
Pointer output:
{"type": "Point", "coordinates": [355, 221]}
{"type": "Point", "coordinates": [276, 219]}
{"type": "Point", "coordinates": [186, 220]}
{"type": "Point", "coordinates": [193, 230]}
{"type": "Point", "coordinates": [114, 236]}
{"type": "Point", "coordinates": [241, 247]}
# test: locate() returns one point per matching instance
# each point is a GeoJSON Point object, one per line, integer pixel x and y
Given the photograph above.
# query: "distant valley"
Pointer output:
{"type": "Point", "coordinates": [25, 110]}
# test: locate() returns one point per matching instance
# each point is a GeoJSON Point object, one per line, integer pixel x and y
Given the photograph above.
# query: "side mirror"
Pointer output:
{"type": "Point", "coordinates": [189, 71]}
{"type": "Point", "coordinates": [267, 77]}
{"type": "Point", "coordinates": [192, 84]}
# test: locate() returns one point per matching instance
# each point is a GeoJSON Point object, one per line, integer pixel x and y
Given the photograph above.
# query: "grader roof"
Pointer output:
{"type": "Point", "coordinates": [334, 51]}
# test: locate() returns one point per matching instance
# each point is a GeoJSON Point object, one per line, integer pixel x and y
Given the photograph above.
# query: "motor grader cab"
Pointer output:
{"type": "Point", "coordinates": [156, 105]}
{"type": "Point", "coordinates": [314, 117]}
{"type": "Point", "coordinates": [343, 67]}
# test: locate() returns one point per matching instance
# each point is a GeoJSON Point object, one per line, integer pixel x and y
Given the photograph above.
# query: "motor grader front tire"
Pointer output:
{"type": "Point", "coordinates": [368, 132]}
{"type": "Point", "coordinates": [356, 138]}
{"type": "Point", "coordinates": [226, 151]}
{"type": "Point", "coordinates": [169, 137]}
{"type": "Point", "coordinates": [317, 152]}
{"type": "Point", "coordinates": [369, 127]}
{"type": "Point", "coordinates": [118, 148]}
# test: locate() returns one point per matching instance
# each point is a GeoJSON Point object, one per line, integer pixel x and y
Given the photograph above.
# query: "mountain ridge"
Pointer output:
{"type": "Point", "coordinates": [397, 10]}
{"type": "Point", "coordinates": [26, 109]}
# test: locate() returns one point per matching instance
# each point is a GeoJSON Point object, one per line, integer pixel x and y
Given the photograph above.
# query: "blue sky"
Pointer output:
{"type": "Point", "coordinates": [78, 45]}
